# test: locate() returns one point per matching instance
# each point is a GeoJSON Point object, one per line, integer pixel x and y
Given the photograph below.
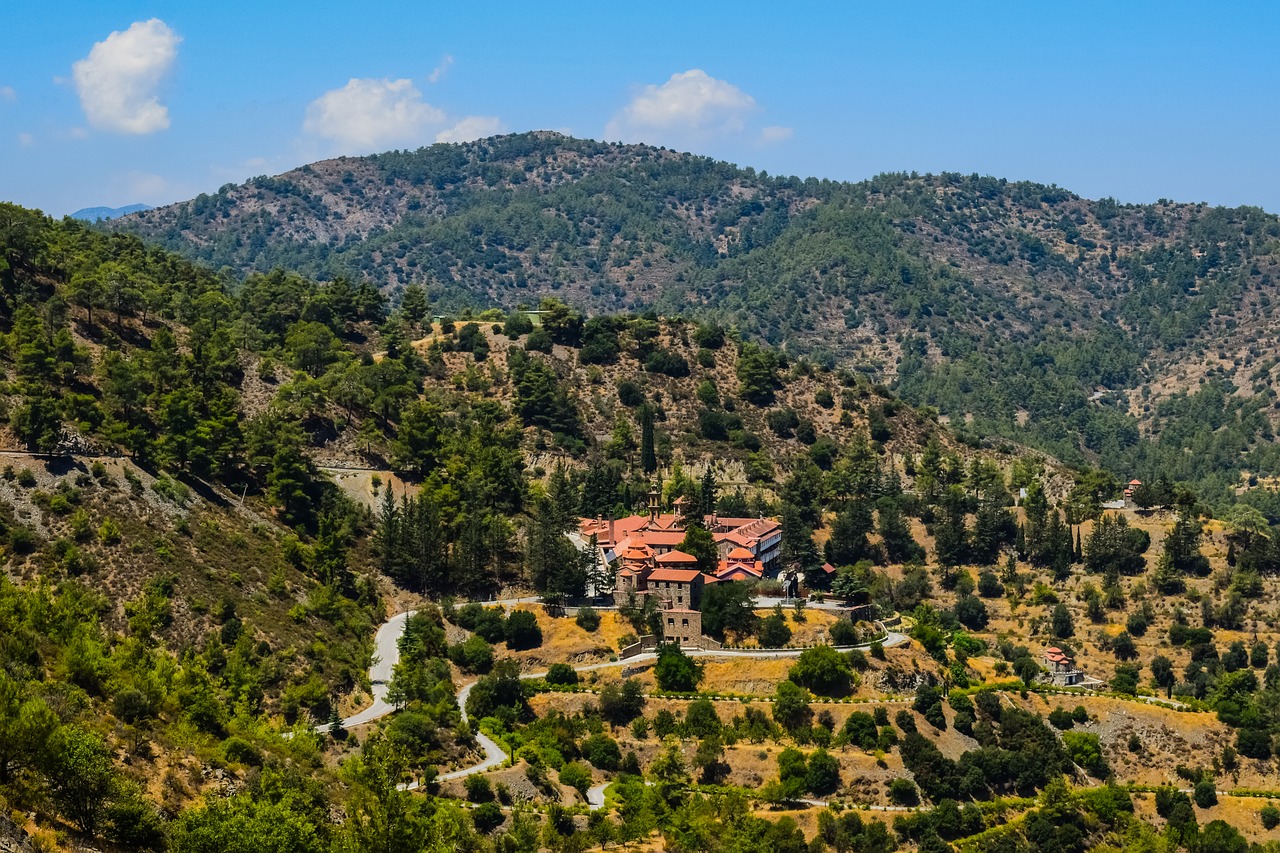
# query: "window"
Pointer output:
{"type": "Point", "coordinates": [684, 623]}
{"type": "Point", "coordinates": [671, 622]}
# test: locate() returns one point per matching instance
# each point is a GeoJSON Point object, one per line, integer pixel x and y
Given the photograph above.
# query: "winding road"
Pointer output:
{"type": "Point", "coordinates": [387, 654]}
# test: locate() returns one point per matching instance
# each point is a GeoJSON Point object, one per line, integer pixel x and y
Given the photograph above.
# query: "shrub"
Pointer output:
{"type": "Point", "coordinates": [588, 619]}
{"type": "Point", "coordinates": [774, 633]}
{"type": "Point", "coordinates": [822, 670]}
{"type": "Point", "coordinates": [1205, 792]}
{"type": "Point", "coordinates": [240, 751]}
{"type": "Point", "coordinates": [823, 773]}
{"type": "Point", "coordinates": [630, 393]}
{"type": "Point", "coordinates": [843, 633]}
{"type": "Point", "coordinates": [903, 792]}
{"type": "Point", "coordinates": [621, 705]}
{"type": "Point", "coordinates": [1270, 816]}
{"type": "Point", "coordinates": [576, 776]}
{"type": "Point", "coordinates": [860, 730]}
{"type": "Point", "coordinates": [487, 817]}
{"type": "Point", "coordinates": [478, 788]}
{"type": "Point", "coordinates": [522, 631]}
{"type": "Point", "coordinates": [561, 673]}
{"type": "Point", "coordinates": [473, 655]}
{"type": "Point", "coordinates": [109, 532]}
{"type": "Point", "coordinates": [602, 751]}
{"type": "Point", "coordinates": [676, 671]}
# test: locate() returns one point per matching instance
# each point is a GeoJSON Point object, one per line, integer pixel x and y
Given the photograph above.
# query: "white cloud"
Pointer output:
{"type": "Point", "coordinates": [8, 95]}
{"type": "Point", "coordinates": [368, 115]}
{"type": "Point", "coordinates": [471, 128]}
{"type": "Point", "coordinates": [118, 80]}
{"type": "Point", "coordinates": [692, 104]}
{"type": "Point", "coordinates": [775, 133]}
{"type": "Point", "coordinates": [440, 70]}
{"type": "Point", "coordinates": [26, 140]}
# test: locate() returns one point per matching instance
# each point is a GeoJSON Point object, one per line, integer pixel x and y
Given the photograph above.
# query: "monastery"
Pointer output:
{"type": "Point", "coordinates": [644, 548]}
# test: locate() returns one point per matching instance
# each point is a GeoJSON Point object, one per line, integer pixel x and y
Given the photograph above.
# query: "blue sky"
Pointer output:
{"type": "Point", "coordinates": [1135, 100]}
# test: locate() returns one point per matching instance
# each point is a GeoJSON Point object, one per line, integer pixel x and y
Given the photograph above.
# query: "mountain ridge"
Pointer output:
{"type": "Point", "coordinates": [1086, 328]}
{"type": "Point", "coordinates": [97, 214]}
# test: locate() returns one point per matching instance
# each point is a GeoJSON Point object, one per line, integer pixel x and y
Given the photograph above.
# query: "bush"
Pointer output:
{"type": "Point", "coordinates": [774, 633]}
{"type": "Point", "coordinates": [473, 655]}
{"type": "Point", "coordinates": [1205, 793]}
{"type": "Point", "coordinates": [240, 751]}
{"type": "Point", "coordinates": [487, 817]}
{"type": "Point", "coordinates": [676, 671]}
{"type": "Point", "coordinates": [602, 751]}
{"type": "Point", "coordinates": [630, 393]}
{"type": "Point", "coordinates": [1270, 816]}
{"type": "Point", "coordinates": [823, 773]}
{"type": "Point", "coordinates": [478, 788]}
{"type": "Point", "coordinates": [588, 619]}
{"type": "Point", "coordinates": [576, 776]}
{"type": "Point", "coordinates": [522, 631]}
{"type": "Point", "coordinates": [843, 633]}
{"type": "Point", "coordinates": [903, 792]}
{"type": "Point", "coordinates": [621, 705]}
{"type": "Point", "coordinates": [823, 671]}
{"type": "Point", "coordinates": [561, 673]}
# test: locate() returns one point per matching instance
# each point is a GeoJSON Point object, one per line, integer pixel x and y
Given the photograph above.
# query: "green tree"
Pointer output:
{"type": "Point", "coordinates": [699, 542]}
{"type": "Point", "coordinates": [727, 607]}
{"type": "Point", "coordinates": [822, 670]}
{"type": "Point", "coordinates": [675, 671]}
{"type": "Point", "coordinates": [1062, 625]}
{"type": "Point", "coordinates": [26, 725]}
{"type": "Point", "coordinates": [648, 458]}
{"type": "Point", "coordinates": [791, 706]}
{"type": "Point", "coordinates": [81, 776]}
{"type": "Point", "coordinates": [822, 776]}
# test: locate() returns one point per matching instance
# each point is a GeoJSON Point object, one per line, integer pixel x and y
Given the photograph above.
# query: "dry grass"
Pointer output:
{"type": "Point", "coordinates": [564, 642]}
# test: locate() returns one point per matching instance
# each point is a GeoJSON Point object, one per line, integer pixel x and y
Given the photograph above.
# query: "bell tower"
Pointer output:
{"type": "Point", "coordinates": [655, 502]}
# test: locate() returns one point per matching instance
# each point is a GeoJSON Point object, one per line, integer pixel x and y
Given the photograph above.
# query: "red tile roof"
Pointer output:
{"type": "Point", "coordinates": [741, 554]}
{"type": "Point", "coordinates": [675, 557]}
{"type": "Point", "coordinates": [737, 573]}
{"type": "Point", "coordinates": [674, 575]}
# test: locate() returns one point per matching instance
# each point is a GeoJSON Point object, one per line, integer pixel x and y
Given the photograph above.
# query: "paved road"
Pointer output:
{"type": "Point", "coordinates": [494, 755]}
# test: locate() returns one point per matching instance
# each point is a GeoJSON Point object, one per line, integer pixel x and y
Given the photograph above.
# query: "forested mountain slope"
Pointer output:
{"type": "Point", "coordinates": [185, 593]}
{"type": "Point", "coordinates": [1106, 333]}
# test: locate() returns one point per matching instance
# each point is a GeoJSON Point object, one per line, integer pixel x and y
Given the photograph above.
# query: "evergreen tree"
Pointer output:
{"type": "Point", "coordinates": [707, 493]}
{"type": "Point", "coordinates": [848, 541]}
{"type": "Point", "coordinates": [895, 534]}
{"type": "Point", "coordinates": [413, 303]}
{"type": "Point", "coordinates": [949, 531]}
{"type": "Point", "coordinates": [648, 458]}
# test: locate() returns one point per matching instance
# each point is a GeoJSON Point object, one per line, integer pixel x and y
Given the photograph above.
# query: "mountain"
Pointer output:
{"type": "Point", "coordinates": [1105, 333]}
{"type": "Point", "coordinates": [97, 214]}
{"type": "Point", "coordinates": [192, 577]}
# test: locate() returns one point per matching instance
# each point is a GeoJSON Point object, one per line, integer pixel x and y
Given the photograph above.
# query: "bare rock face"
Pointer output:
{"type": "Point", "coordinates": [893, 680]}
{"type": "Point", "coordinates": [13, 838]}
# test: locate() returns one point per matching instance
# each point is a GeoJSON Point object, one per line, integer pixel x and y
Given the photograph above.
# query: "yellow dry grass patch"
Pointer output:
{"type": "Point", "coordinates": [1240, 812]}
{"type": "Point", "coordinates": [808, 628]}
{"type": "Point", "coordinates": [564, 642]}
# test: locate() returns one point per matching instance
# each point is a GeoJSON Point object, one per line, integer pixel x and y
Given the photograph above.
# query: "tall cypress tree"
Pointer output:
{"type": "Point", "coordinates": [648, 456]}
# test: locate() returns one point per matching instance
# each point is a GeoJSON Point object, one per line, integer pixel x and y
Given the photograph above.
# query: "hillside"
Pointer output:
{"type": "Point", "coordinates": [212, 491]}
{"type": "Point", "coordinates": [1106, 334]}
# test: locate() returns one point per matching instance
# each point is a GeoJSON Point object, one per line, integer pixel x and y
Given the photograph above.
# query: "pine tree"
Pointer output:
{"type": "Point", "coordinates": [707, 492]}
{"type": "Point", "coordinates": [1167, 578]}
{"type": "Point", "coordinates": [413, 303]}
